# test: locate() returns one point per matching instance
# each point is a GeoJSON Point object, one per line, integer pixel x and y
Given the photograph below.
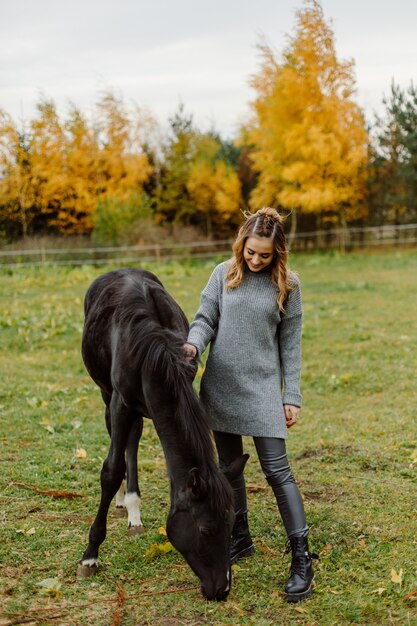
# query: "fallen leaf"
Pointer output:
{"type": "Point", "coordinates": [80, 453]}
{"type": "Point", "coordinates": [397, 578]}
{"type": "Point", "coordinates": [162, 531]}
{"type": "Point", "coordinates": [23, 531]}
{"type": "Point", "coordinates": [379, 591]}
{"type": "Point", "coordinates": [300, 609]}
{"type": "Point", "coordinates": [159, 549]}
{"type": "Point", "coordinates": [51, 586]}
{"type": "Point", "coordinates": [47, 424]}
{"type": "Point", "coordinates": [362, 543]}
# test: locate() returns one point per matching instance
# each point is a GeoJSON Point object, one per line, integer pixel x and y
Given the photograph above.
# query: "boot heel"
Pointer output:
{"type": "Point", "coordinates": [242, 553]}
{"type": "Point", "coordinates": [299, 597]}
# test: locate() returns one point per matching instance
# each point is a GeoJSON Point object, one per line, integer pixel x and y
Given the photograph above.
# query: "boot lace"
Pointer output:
{"type": "Point", "coordinates": [299, 559]}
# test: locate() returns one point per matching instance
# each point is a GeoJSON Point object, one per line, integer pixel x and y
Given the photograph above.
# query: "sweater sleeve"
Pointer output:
{"type": "Point", "coordinates": [289, 338]}
{"type": "Point", "coordinates": [204, 326]}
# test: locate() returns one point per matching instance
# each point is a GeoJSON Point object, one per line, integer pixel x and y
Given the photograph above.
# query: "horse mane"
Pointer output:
{"type": "Point", "coordinates": [158, 350]}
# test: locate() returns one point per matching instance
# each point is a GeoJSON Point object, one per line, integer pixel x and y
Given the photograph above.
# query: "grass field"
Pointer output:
{"type": "Point", "coordinates": [354, 454]}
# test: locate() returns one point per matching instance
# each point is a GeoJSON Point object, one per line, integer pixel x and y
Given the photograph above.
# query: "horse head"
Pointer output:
{"type": "Point", "coordinates": [199, 526]}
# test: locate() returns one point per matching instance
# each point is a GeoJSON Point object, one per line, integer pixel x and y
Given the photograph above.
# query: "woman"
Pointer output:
{"type": "Point", "coordinates": [250, 313]}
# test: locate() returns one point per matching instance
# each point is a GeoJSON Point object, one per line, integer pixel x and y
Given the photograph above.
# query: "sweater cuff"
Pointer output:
{"type": "Point", "coordinates": [197, 340]}
{"type": "Point", "coordinates": [292, 397]}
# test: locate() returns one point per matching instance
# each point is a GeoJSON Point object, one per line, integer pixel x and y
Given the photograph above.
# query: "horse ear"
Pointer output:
{"type": "Point", "coordinates": [236, 467]}
{"type": "Point", "coordinates": [196, 483]}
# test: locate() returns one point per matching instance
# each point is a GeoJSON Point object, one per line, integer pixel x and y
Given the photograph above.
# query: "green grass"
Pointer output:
{"type": "Point", "coordinates": [354, 455]}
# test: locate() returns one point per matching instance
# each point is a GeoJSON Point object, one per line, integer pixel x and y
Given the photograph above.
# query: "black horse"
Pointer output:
{"type": "Point", "coordinates": [132, 348]}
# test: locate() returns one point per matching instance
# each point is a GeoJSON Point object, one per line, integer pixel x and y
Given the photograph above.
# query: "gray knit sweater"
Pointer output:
{"type": "Point", "coordinates": [254, 363]}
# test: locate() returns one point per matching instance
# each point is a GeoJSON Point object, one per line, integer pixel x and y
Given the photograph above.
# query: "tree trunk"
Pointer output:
{"type": "Point", "coordinates": [209, 230]}
{"type": "Point", "coordinates": [23, 219]}
{"type": "Point", "coordinates": [293, 230]}
{"type": "Point", "coordinates": [343, 233]}
{"type": "Point", "coordinates": [320, 235]}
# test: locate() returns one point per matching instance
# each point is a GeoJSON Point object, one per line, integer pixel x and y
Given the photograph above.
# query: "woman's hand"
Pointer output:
{"type": "Point", "coordinates": [189, 351]}
{"type": "Point", "coordinates": [292, 413]}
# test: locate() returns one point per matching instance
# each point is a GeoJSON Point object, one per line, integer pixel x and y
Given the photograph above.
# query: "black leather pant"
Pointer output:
{"type": "Point", "coordinates": [273, 459]}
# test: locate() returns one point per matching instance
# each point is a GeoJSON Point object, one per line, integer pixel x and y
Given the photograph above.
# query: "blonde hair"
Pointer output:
{"type": "Point", "coordinates": [267, 223]}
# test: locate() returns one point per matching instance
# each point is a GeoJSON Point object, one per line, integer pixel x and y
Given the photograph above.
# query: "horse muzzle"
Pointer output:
{"type": "Point", "coordinates": [212, 591]}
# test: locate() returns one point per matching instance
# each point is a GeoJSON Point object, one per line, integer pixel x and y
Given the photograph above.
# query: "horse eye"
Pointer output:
{"type": "Point", "coordinates": [206, 532]}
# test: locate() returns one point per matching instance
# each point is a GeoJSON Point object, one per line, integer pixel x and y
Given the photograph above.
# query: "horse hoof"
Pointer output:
{"type": "Point", "coordinates": [85, 571]}
{"type": "Point", "coordinates": [135, 530]}
{"type": "Point", "coordinates": [120, 511]}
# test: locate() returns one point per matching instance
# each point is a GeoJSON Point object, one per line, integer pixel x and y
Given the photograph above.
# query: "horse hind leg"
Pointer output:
{"type": "Point", "coordinates": [132, 495]}
{"type": "Point", "coordinates": [120, 500]}
{"type": "Point", "coordinates": [128, 495]}
{"type": "Point", "coordinates": [112, 473]}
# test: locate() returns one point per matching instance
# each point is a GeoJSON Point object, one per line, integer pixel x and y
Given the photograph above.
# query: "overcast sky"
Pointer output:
{"type": "Point", "coordinates": [158, 52]}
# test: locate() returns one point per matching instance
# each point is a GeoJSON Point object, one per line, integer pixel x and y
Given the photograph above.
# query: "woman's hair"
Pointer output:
{"type": "Point", "coordinates": [268, 223]}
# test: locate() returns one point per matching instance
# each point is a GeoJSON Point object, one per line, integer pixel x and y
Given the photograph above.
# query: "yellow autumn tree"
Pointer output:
{"type": "Point", "coordinates": [126, 164]}
{"type": "Point", "coordinates": [308, 135]}
{"type": "Point", "coordinates": [48, 168]}
{"type": "Point", "coordinates": [17, 200]}
{"type": "Point", "coordinates": [123, 168]}
{"type": "Point", "coordinates": [213, 186]}
{"type": "Point", "coordinates": [81, 164]}
{"type": "Point", "coordinates": [228, 198]}
{"type": "Point", "coordinates": [61, 171]}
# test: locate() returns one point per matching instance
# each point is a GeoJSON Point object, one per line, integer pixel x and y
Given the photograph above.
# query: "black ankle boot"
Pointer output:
{"type": "Point", "coordinates": [241, 544]}
{"type": "Point", "coordinates": [300, 582]}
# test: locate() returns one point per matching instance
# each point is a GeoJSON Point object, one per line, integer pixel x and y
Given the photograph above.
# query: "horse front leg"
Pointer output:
{"type": "Point", "coordinates": [120, 495]}
{"type": "Point", "coordinates": [132, 495]}
{"type": "Point", "coordinates": [112, 474]}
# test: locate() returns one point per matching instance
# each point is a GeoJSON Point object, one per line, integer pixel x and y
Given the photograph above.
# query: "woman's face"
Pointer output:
{"type": "Point", "coordinates": [258, 253]}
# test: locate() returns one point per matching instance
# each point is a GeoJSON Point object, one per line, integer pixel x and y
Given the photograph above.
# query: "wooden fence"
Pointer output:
{"type": "Point", "coordinates": [350, 239]}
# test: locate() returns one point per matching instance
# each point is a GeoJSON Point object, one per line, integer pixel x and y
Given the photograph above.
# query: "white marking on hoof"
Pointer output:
{"type": "Point", "coordinates": [87, 568]}
{"type": "Point", "coordinates": [90, 562]}
{"type": "Point", "coordinates": [120, 495]}
{"type": "Point", "coordinates": [132, 503]}
{"type": "Point", "coordinates": [135, 530]}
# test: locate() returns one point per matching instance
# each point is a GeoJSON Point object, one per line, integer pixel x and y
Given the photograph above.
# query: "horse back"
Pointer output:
{"type": "Point", "coordinates": [116, 303]}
